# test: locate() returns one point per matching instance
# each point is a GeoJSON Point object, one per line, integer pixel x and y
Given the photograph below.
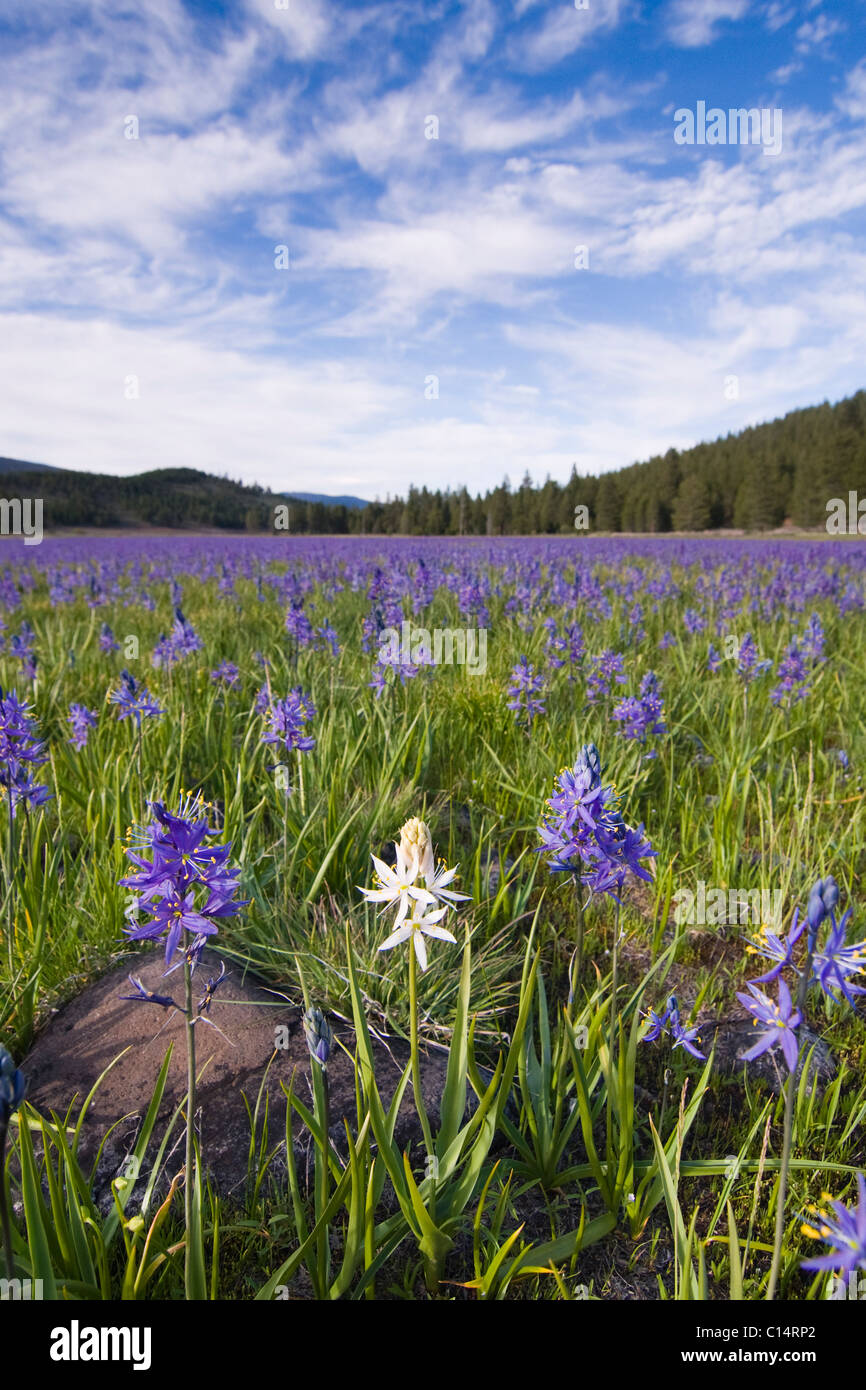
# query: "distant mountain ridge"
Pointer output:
{"type": "Point", "coordinates": [20, 466]}
{"type": "Point", "coordinates": [326, 500]}
{"type": "Point", "coordinates": [784, 472]}
{"type": "Point", "coordinates": [184, 499]}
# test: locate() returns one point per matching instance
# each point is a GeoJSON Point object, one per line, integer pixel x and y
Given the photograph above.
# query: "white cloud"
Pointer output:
{"type": "Point", "coordinates": [786, 72]}
{"type": "Point", "coordinates": [563, 30]}
{"type": "Point", "coordinates": [304, 26]}
{"type": "Point", "coordinates": [409, 256]}
{"type": "Point", "coordinates": [693, 23]}
{"type": "Point", "coordinates": [778, 15]}
{"type": "Point", "coordinates": [815, 33]}
{"type": "Point", "coordinates": [853, 100]}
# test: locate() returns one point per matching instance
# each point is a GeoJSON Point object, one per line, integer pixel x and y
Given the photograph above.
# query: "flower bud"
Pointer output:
{"type": "Point", "coordinates": [416, 847]}
{"type": "Point", "coordinates": [13, 1086]}
{"type": "Point", "coordinates": [319, 1035]}
{"type": "Point", "coordinates": [822, 900]}
{"type": "Point", "coordinates": [589, 759]}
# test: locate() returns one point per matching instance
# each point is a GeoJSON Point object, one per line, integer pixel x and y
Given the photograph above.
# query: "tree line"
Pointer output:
{"type": "Point", "coordinates": [785, 470]}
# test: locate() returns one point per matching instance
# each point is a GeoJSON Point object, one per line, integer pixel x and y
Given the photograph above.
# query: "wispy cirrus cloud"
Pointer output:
{"type": "Point", "coordinates": [417, 250]}
{"type": "Point", "coordinates": [693, 23]}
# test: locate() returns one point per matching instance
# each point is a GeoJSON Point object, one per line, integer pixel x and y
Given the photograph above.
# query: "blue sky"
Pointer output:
{"type": "Point", "coordinates": [144, 321]}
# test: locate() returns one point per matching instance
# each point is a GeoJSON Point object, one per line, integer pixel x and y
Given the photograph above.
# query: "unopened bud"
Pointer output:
{"type": "Point", "coordinates": [319, 1035]}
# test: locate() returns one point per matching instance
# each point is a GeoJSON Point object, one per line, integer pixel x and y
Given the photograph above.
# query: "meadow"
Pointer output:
{"type": "Point", "coordinates": [655, 740]}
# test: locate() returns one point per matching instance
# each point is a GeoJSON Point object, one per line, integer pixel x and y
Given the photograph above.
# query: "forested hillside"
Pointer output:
{"type": "Point", "coordinates": [787, 469]}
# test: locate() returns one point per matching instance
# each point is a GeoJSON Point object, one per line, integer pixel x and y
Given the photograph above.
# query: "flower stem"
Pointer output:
{"type": "Point", "coordinates": [140, 781]}
{"type": "Point", "coordinates": [579, 952]}
{"type": "Point", "coordinates": [790, 1096]}
{"type": "Point", "coordinates": [613, 988]}
{"type": "Point", "coordinates": [188, 1185]}
{"type": "Point", "coordinates": [4, 1209]}
{"type": "Point", "coordinates": [12, 866]}
{"type": "Point", "coordinates": [612, 1051]}
{"type": "Point", "coordinates": [416, 1069]}
{"type": "Point", "coordinates": [322, 1182]}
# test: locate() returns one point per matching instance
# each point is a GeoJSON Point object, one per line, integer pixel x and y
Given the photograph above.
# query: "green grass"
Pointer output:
{"type": "Point", "coordinates": [741, 794]}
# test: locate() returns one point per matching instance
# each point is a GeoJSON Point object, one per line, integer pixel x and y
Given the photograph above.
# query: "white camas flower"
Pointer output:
{"type": "Point", "coordinates": [402, 885]}
{"type": "Point", "coordinates": [396, 886]}
{"type": "Point", "coordinates": [436, 882]}
{"type": "Point", "coordinates": [417, 928]}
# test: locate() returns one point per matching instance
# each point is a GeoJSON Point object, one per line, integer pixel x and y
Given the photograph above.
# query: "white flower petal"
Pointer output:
{"type": "Point", "coordinates": [396, 937]}
{"type": "Point", "coordinates": [385, 873]}
{"type": "Point", "coordinates": [421, 895]}
{"type": "Point", "coordinates": [439, 932]}
{"type": "Point", "coordinates": [380, 895]}
{"type": "Point", "coordinates": [441, 877]}
{"type": "Point", "coordinates": [431, 916]}
{"type": "Point", "coordinates": [420, 949]}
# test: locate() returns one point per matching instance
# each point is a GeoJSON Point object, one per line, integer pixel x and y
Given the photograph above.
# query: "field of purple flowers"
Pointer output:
{"type": "Point", "coordinates": [641, 764]}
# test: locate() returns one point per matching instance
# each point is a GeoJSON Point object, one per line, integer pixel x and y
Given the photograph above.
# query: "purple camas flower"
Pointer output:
{"type": "Point", "coordinates": [147, 996]}
{"type": "Point", "coordinates": [182, 641]}
{"type": "Point", "coordinates": [134, 699]}
{"type": "Point", "coordinates": [777, 949]}
{"type": "Point", "coordinates": [585, 829]}
{"type": "Point", "coordinates": [793, 677]}
{"type": "Point", "coordinates": [82, 720]}
{"type": "Point", "coordinates": [606, 668]}
{"type": "Point", "coordinates": [405, 671]}
{"type": "Point", "coordinates": [328, 639]}
{"type": "Point", "coordinates": [22, 788]}
{"type": "Point", "coordinates": [378, 684]}
{"type": "Point", "coordinates": [186, 885]}
{"type": "Point", "coordinates": [635, 619]}
{"type": "Point", "coordinates": [618, 857]}
{"type": "Point", "coordinates": [779, 1020]}
{"type": "Point", "coordinates": [642, 716]}
{"type": "Point", "coordinates": [714, 660]}
{"type": "Point", "coordinates": [21, 750]}
{"type": "Point", "coordinates": [812, 641]}
{"type": "Point", "coordinates": [835, 964]}
{"type": "Point", "coordinates": [748, 664]}
{"type": "Point", "coordinates": [658, 1025]}
{"type": "Point", "coordinates": [526, 684]}
{"type": "Point", "coordinates": [669, 1022]}
{"type": "Point", "coordinates": [841, 1228]}
{"type": "Point", "coordinates": [298, 625]}
{"type": "Point", "coordinates": [693, 621]}
{"type": "Point", "coordinates": [227, 673]}
{"type": "Point", "coordinates": [21, 646]}
{"type": "Point", "coordinates": [579, 805]}
{"type": "Point", "coordinates": [556, 648]}
{"type": "Point", "coordinates": [107, 642]}
{"type": "Point", "coordinates": [574, 645]}
{"type": "Point", "coordinates": [286, 719]}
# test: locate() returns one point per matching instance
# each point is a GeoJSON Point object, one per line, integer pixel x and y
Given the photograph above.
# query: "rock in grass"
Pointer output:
{"type": "Point", "coordinates": [733, 1037]}
{"type": "Point", "coordinates": [94, 1029]}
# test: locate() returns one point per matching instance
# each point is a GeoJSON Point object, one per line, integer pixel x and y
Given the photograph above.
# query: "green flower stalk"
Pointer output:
{"type": "Point", "coordinates": [13, 1088]}
{"type": "Point", "coordinates": [320, 1041]}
